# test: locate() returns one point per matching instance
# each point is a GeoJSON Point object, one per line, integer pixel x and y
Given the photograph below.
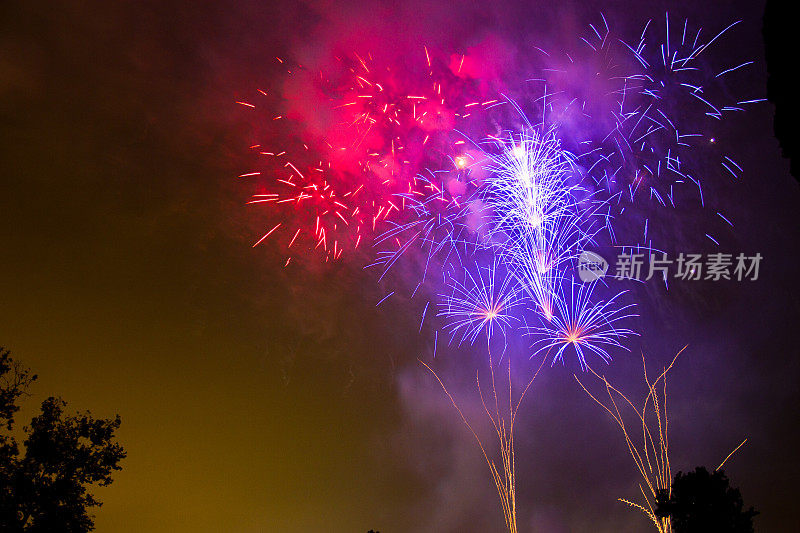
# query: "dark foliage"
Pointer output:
{"type": "Point", "coordinates": [704, 502]}
{"type": "Point", "coordinates": [43, 487]}
{"type": "Point", "coordinates": [779, 42]}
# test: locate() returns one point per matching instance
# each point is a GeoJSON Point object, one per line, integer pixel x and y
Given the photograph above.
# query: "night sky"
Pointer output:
{"type": "Point", "coordinates": [261, 398]}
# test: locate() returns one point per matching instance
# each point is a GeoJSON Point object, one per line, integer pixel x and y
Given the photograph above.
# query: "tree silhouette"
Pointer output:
{"type": "Point", "coordinates": [43, 488]}
{"type": "Point", "coordinates": [704, 502]}
{"type": "Point", "coordinates": [777, 31]}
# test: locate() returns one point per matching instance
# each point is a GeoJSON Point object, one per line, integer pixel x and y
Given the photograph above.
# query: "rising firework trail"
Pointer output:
{"type": "Point", "coordinates": [647, 439]}
{"type": "Point", "coordinates": [503, 415]}
{"type": "Point", "coordinates": [650, 448]}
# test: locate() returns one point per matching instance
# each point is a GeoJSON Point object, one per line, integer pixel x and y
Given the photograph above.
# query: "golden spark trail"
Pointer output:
{"type": "Point", "coordinates": [503, 476]}
{"type": "Point", "coordinates": [652, 456]}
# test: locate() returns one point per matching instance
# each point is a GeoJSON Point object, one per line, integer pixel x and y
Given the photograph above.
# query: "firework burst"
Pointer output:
{"type": "Point", "coordinates": [540, 215]}
{"type": "Point", "coordinates": [482, 303]}
{"type": "Point", "coordinates": [384, 126]}
{"type": "Point", "coordinates": [585, 324]}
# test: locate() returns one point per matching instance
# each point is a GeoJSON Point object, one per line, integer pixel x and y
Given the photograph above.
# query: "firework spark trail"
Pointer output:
{"type": "Point", "coordinates": [325, 216]}
{"type": "Point", "coordinates": [538, 220]}
{"type": "Point", "coordinates": [673, 79]}
{"type": "Point", "coordinates": [655, 131]}
{"type": "Point", "coordinates": [434, 224]}
{"type": "Point", "coordinates": [407, 112]}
